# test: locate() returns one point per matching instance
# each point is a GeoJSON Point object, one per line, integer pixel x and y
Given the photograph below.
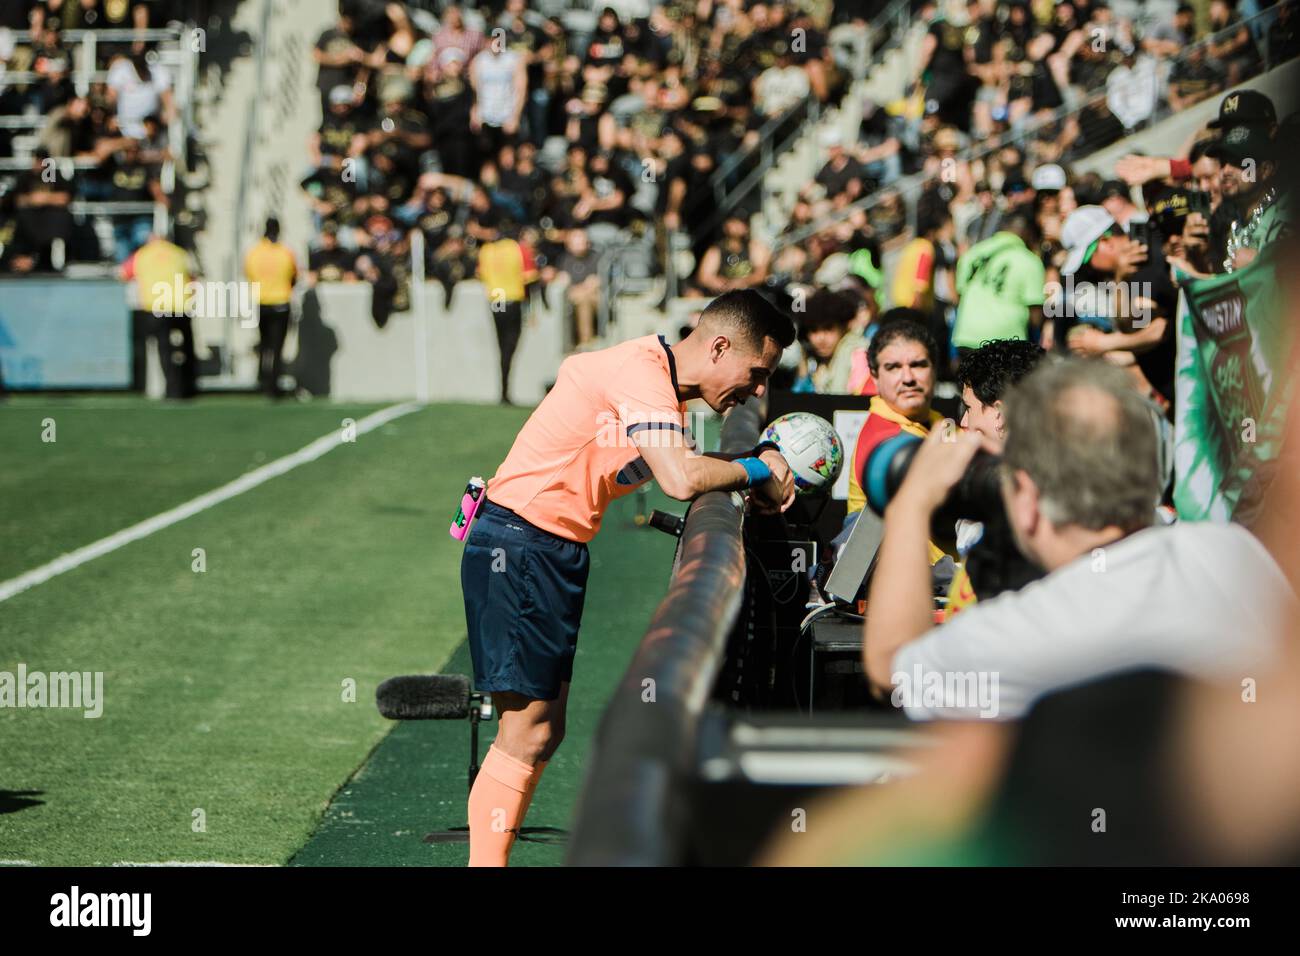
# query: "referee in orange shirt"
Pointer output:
{"type": "Point", "coordinates": [271, 265]}
{"type": "Point", "coordinates": [615, 419]}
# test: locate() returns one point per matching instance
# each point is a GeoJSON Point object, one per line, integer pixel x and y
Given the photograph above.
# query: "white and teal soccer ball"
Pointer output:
{"type": "Point", "coordinates": [812, 448]}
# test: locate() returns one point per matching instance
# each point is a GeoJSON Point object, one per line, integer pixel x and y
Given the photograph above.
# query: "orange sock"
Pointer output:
{"type": "Point", "coordinates": [532, 788]}
{"type": "Point", "coordinates": [496, 806]}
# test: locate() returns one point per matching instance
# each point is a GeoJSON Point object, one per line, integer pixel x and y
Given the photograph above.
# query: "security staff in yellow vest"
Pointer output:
{"type": "Point", "coordinates": [272, 267]}
{"type": "Point", "coordinates": [161, 271]}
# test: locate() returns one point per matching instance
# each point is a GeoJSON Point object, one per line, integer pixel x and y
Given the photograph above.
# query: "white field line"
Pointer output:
{"type": "Point", "coordinates": [174, 863]}
{"type": "Point", "coordinates": [166, 519]}
{"type": "Point", "coordinates": [187, 863]}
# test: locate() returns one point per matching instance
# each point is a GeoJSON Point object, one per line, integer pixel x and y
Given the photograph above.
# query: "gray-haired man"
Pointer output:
{"type": "Point", "coordinates": [1080, 484]}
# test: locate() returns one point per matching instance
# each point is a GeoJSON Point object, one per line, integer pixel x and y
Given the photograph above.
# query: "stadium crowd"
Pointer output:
{"type": "Point", "coordinates": [520, 145]}
{"type": "Point", "coordinates": [1057, 286]}
{"type": "Point", "coordinates": [101, 139]}
{"type": "Point", "coordinates": [500, 124]}
{"type": "Point", "coordinates": [993, 239]}
{"type": "Point", "coordinates": [1074, 268]}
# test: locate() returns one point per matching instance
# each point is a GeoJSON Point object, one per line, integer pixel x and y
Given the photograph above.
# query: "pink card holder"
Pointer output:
{"type": "Point", "coordinates": [468, 510]}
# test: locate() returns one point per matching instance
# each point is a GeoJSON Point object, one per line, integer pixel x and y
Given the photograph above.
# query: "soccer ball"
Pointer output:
{"type": "Point", "coordinates": [812, 448]}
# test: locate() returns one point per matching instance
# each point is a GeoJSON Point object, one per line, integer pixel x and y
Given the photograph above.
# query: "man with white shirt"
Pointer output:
{"type": "Point", "coordinates": [1133, 89]}
{"type": "Point", "coordinates": [1080, 483]}
{"type": "Point", "coordinates": [499, 77]}
{"type": "Point", "coordinates": [781, 86]}
{"type": "Point", "coordinates": [139, 89]}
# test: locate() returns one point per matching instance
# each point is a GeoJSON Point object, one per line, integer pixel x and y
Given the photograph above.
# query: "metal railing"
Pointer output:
{"type": "Point", "coordinates": [84, 46]}
{"type": "Point", "coordinates": [910, 186]}
{"type": "Point", "coordinates": [888, 28]}
{"type": "Point", "coordinates": [631, 811]}
{"type": "Point", "coordinates": [182, 58]}
{"type": "Point", "coordinates": [769, 150]}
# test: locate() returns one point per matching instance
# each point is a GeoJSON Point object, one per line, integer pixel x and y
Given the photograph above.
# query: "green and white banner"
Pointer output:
{"type": "Point", "coordinates": [1233, 344]}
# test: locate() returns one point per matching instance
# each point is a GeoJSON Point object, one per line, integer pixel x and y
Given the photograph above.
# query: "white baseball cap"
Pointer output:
{"type": "Point", "coordinates": [1082, 228]}
{"type": "Point", "coordinates": [831, 137]}
{"type": "Point", "coordinates": [834, 269]}
{"type": "Point", "coordinates": [1048, 177]}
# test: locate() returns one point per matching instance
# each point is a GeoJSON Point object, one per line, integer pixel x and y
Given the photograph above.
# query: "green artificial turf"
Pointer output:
{"type": "Point", "coordinates": [224, 690]}
{"type": "Point", "coordinates": [230, 691]}
{"type": "Point", "coordinates": [416, 781]}
{"type": "Point", "coordinates": [118, 460]}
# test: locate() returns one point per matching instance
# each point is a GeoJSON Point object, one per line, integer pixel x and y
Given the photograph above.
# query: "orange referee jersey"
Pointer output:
{"type": "Point", "coordinates": [576, 452]}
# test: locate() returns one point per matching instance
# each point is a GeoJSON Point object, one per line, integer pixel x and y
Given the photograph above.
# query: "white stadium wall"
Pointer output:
{"type": "Point", "coordinates": [374, 364]}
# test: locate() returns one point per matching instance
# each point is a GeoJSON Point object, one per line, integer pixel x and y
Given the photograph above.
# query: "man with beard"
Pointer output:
{"type": "Point", "coordinates": [1248, 162]}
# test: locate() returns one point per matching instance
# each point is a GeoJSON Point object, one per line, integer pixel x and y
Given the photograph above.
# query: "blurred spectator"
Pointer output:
{"type": "Point", "coordinates": [1233, 51]}
{"type": "Point", "coordinates": [841, 177]}
{"type": "Point", "coordinates": [580, 265]}
{"type": "Point", "coordinates": [499, 78]}
{"type": "Point", "coordinates": [329, 262]}
{"type": "Point", "coordinates": [1133, 90]}
{"type": "Point", "coordinates": [1124, 297]}
{"type": "Point", "coordinates": [70, 130]}
{"type": "Point", "coordinates": [941, 71]}
{"type": "Point", "coordinates": [449, 102]}
{"type": "Point", "coordinates": [914, 273]}
{"type": "Point", "coordinates": [43, 218]}
{"type": "Point", "coordinates": [1001, 284]}
{"type": "Point", "coordinates": [132, 179]}
{"type": "Point", "coordinates": [94, 14]}
{"type": "Point", "coordinates": [1284, 35]}
{"type": "Point", "coordinates": [835, 354]}
{"type": "Point", "coordinates": [139, 89]}
{"type": "Point", "coordinates": [1194, 77]}
{"type": "Point", "coordinates": [453, 34]}
{"type": "Point", "coordinates": [336, 54]}
{"type": "Point", "coordinates": [736, 261]}
{"type": "Point", "coordinates": [1168, 38]}
{"type": "Point", "coordinates": [781, 86]}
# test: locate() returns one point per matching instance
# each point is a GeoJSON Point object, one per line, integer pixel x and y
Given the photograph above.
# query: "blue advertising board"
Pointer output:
{"type": "Point", "coordinates": [64, 333]}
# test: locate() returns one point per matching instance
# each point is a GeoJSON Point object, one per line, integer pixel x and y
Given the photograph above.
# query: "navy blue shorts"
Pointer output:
{"type": "Point", "coordinates": [524, 591]}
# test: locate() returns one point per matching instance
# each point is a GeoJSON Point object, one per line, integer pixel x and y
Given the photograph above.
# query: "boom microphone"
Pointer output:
{"type": "Point", "coordinates": [424, 697]}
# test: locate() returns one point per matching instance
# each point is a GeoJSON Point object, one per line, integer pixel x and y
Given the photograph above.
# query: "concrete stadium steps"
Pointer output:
{"type": "Point", "coordinates": [885, 81]}
{"type": "Point", "coordinates": [288, 109]}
